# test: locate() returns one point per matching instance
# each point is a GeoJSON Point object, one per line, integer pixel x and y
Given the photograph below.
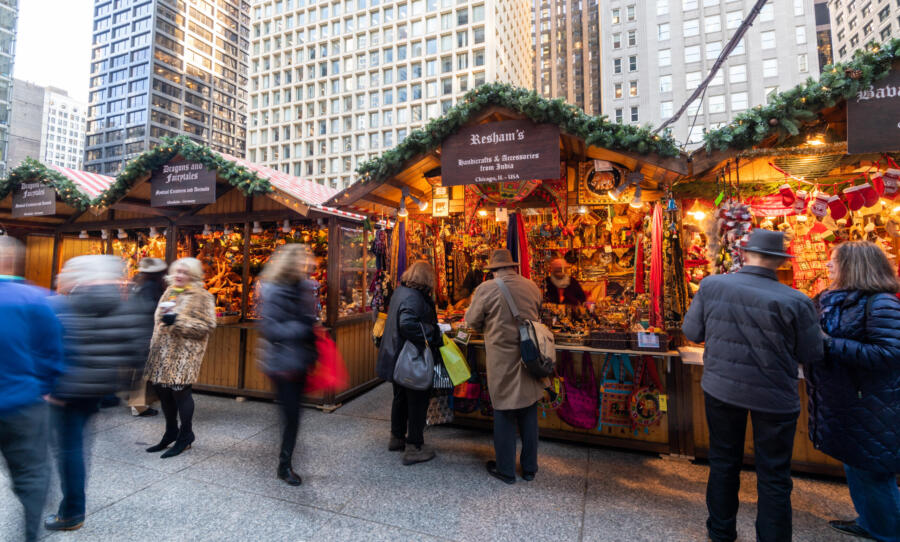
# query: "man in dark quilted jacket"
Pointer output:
{"type": "Point", "coordinates": [757, 332]}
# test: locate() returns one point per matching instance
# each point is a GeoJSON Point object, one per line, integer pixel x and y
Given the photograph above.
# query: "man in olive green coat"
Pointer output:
{"type": "Point", "coordinates": [514, 392]}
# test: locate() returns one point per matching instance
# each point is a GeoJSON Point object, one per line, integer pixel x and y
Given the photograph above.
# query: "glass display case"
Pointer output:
{"type": "Point", "coordinates": [135, 245]}
{"type": "Point", "coordinates": [354, 270]}
{"type": "Point", "coordinates": [222, 254]}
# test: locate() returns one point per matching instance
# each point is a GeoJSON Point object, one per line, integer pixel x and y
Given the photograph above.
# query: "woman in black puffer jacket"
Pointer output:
{"type": "Point", "coordinates": [854, 406]}
{"type": "Point", "coordinates": [288, 347]}
{"type": "Point", "coordinates": [411, 317]}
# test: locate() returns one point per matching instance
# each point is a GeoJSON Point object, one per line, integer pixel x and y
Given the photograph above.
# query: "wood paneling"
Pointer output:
{"type": "Point", "coordinates": [804, 452]}
{"type": "Point", "coordinates": [265, 203]}
{"type": "Point", "coordinates": [254, 379]}
{"type": "Point", "coordinates": [354, 341]}
{"type": "Point", "coordinates": [232, 202]}
{"type": "Point", "coordinates": [220, 365]}
{"type": "Point", "coordinates": [90, 216]}
{"type": "Point", "coordinates": [69, 247]}
{"type": "Point", "coordinates": [39, 259]}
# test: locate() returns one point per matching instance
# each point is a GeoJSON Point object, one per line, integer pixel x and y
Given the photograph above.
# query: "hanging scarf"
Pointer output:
{"type": "Point", "coordinates": [656, 267]}
{"type": "Point", "coordinates": [398, 251]}
{"type": "Point", "coordinates": [524, 257]}
{"type": "Point", "coordinates": [639, 287]}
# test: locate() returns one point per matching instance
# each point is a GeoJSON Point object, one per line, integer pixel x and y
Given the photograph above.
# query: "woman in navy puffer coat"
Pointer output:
{"type": "Point", "coordinates": [854, 394]}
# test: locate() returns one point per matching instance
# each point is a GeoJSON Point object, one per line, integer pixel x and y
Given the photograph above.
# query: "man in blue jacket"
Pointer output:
{"type": "Point", "coordinates": [757, 332]}
{"type": "Point", "coordinates": [31, 341]}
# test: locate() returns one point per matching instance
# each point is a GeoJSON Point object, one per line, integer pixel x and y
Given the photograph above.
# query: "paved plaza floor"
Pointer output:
{"type": "Point", "coordinates": [225, 489]}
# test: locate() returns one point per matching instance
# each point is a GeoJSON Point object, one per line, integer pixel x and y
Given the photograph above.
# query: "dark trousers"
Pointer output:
{"type": "Point", "coordinates": [877, 501]}
{"type": "Point", "coordinates": [177, 404]}
{"type": "Point", "coordinates": [23, 442]}
{"type": "Point", "coordinates": [773, 440]}
{"type": "Point", "coordinates": [68, 437]}
{"type": "Point", "coordinates": [289, 392]}
{"type": "Point", "coordinates": [505, 424]}
{"type": "Point", "coordinates": [408, 413]}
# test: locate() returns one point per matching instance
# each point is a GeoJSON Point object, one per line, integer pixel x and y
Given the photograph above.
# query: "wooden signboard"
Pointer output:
{"type": "Point", "coordinates": [873, 116]}
{"type": "Point", "coordinates": [33, 199]}
{"type": "Point", "coordinates": [182, 183]}
{"type": "Point", "coordinates": [512, 150]}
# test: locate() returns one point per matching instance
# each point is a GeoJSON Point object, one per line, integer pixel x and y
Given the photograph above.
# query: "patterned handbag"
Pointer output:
{"type": "Point", "coordinates": [580, 408]}
{"type": "Point", "coordinates": [616, 392]}
{"type": "Point", "coordinates": [554, 395]}
{"type": "Point", "coordinates": [644, 404]}
{"type": "Point", "coordinates": [440, 407]}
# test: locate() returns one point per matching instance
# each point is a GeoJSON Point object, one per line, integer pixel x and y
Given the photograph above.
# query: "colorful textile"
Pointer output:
{"type": "Point", "coordinates": [656, 267]}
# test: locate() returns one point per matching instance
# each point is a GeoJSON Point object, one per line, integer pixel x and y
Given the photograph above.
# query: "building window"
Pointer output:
{"type": "Point", "coordinates": [618, 90]}
{"type": "Point", "coordinates": [665, 83]}
{"type": "Point", "coordinates": [867, 29]}
{"type": "Point", "coordinates": [632, 88]}
{"type": "Point", "coordinates": [842, 52]}
{"type": "Point", "coordinates": [737, 74]}
{"type": "Point", "coordinates": [768, 39]}
{"type": "Point", "coordinates": [767, 13]}
{"type": "Point", "coordinates": [630, 12]}
{"type": "Point", "coordinates": [616, 16]}
{"type": "Point", "coordinates": [688, 4]}
{"type": "Point", "coordinates": [617, 40]}
{"type": "Point", "coordinates": [634, 114]}
{"type": "Point", "coordinates": [692, 53]}
{"type": "Point", "coordinates": [770, 67]}
{"type": "Point", "coordinates": [665, 110]}
{"type": "Point", "coordinates": [886, 32]}
{"type": "Point", "coordinates": [733, 19]}
{"type": "Point", "coordinates": [632, 63]}
{"type": "Point", "coordinates": [713, 23]}
{"type": "Point", "coordinates": [798, 7]}
{"type": "Point", "coordinates": [717, 104]}
{"type": "Point", "coordinates": [617, 65]}
{"type": "Point", "coordinates": [691, 27]}
{"type": "Point", "coordinates": [662, 7]}
{"type": "Point", "coordinates": [662, 31]}
{"type": "Point", "coordinates": [692, 80]}
{"type": "Point", "coordinates": [884, 13]}
{"type": "Point", "coordinates": [664, 57]}
{"type": "Point", "coordinates": [802, 63]}
{"type": "Point", "coordinates": [619, 115]}
{"type": "Point", "coordinates": [854, 40]}
{"type": "Point", "coordinates": [713, 49]}
{"type": "Point", "coordinates": [800, 35]}
{"type": "Point", "coordinates": [738, 101]}
{"type": "Point", "coordinates": [632, 38]}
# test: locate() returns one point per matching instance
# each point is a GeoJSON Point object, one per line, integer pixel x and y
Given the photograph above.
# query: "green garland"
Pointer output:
{"type": "Point", "coordinates": [237, 175]}
{"type": "Point", "coordinates": [597, 131]}
{"type": "Point", "coordinates": [30, 170]}
{"type": "Point", "coordinates": [787, 112]}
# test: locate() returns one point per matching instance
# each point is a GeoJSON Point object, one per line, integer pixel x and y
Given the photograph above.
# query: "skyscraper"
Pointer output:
{"type": "Point", "coordinates": [854, 23]}
{"type": "Point", "coordinates": [26, 115]}
{"type": "Point", "coordinates": [656, 53]}
{"type": "Point", "coordinates": [47, 125]}
{"type": "Point", "coordinates": [163, 68]}
{"type": "Point", "coordinates": [335, 82]}
{"type": "Point", "coordinates": [568, 51]}
{"type": "Point", "coordinates": [9, 13]}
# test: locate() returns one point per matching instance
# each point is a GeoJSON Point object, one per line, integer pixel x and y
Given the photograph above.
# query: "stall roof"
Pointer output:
{"type": "Point", "coordinates": [92, 184]}
{"type": "Point", "coordinates": [586, 137]}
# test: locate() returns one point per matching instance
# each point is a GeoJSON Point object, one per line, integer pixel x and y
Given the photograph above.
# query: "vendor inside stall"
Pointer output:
{"type": "Point", "coordinates": [478, 274]}
{"type": "Point", "coordinates": [561, 287]}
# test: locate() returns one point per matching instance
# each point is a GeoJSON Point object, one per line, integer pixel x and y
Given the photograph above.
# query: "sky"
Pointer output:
{"type": "Point", "coordinates": [53, 44]}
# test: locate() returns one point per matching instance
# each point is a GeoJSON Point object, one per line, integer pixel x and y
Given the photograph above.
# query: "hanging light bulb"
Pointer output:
{"type": "Point", "coordinates": [636, 202]}
{"type": "Point", "coordinates": [122, 234]}
{"type": "Point", "coordinates": [153, 231]}
{"type": "Point", "coordinates": [482, 212]}
{"type": "Point", "coordinates": [286, 226]}
{"type": "Point", "coordinates": [104, 234]}
{"type": "Point", "coordinates": [257, 227]}
{"type": "Point", "coordinates": [616, 192]}
{"type": "Point", "coordinates": [402, 211]}
{"type": "Point", "coordinates": [697, 211]}
{"type": "Point", "coordinates": [83, 234]}
{"type": "Point", "coordinates": [206, 230]}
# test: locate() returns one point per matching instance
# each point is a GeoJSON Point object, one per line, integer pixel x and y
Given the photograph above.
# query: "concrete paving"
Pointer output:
{"type": "Point", "coordinates": [353, 489]}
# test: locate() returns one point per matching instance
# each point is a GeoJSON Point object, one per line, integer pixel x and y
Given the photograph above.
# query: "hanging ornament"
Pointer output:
{"type": "Point", "coordinates": [877, 183]}
{"type": "Point", "coordinates": [819, 206]}
{"type": "Point", "coordinates": [800, 201]}
{"type": "Point", "coordinates": [837, 207]}
{"type": "Point", "coordinates": [773, 122]}
{"type": "Point", "coordinates": [787, 195]}
{"type": "Point", "coordinates": [853, 73]}
{"type": "Point", "coordinates": [891, 180]}
{"type": "Point", "coordinates": [870, 195]}
{"type": "Point", "coordinates": [855, 199]}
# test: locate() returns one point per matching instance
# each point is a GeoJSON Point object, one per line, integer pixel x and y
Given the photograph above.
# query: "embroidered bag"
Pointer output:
{"type": "Point", "coordinates": [580, 408]}
{"type": "Point", "coordinates": [554, 395]}
{"type": "Point", "coordinates": [440, 407]}
{"type": "Point", "coordinates": [644, 404]}
{"type": "Point", "coordinates": [615, 392]}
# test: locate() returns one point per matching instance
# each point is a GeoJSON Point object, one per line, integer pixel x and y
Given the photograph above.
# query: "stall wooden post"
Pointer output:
{"type": "Point", "coordinates": [171, 242]}
{"type": "Point", "coordinates": [334, 287]}
{"type": "Point", "coordinates": [54, 270]}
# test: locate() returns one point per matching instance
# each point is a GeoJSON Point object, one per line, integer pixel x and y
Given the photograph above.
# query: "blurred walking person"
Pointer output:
{"type": "Point", "coordinates": [412, 317]}
{"type": "Point", "coordinates": [105, 335]}
{"type": "Point", "coordinates": [31, 339]}
{"type": "Point", "coordinates": [514, 391]}
{"type": "Point", "coordinates": [757, 333]}
{"type": "Point", "coordinates": [854, 394]}
{"type": "Point", "coordinates": [149, 285]}
{"type": "Point", "coordinates": [288, 349]}
{"type": "Point", "coordinates": [184, 320]}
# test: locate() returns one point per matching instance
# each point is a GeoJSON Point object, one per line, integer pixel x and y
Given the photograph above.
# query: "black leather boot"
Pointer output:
{"type": "Point", "coordinates": [183, 443]}
{"type": "Point", "coordinates": [168, 438]}
{"type": "Point", "coordinates": [290, 477]}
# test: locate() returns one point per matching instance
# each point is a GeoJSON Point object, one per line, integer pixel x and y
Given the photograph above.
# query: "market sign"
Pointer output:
{"type": "Point", "coordinates": [182, 183]}
{"type": "Point", "coordinates": [873, 116]}
{"type": "Point", "coordinates": [33, 199]}
{"type": "Point", "coordinates": [512, 150]}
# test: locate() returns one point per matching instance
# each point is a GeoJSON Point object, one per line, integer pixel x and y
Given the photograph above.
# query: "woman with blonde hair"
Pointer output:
{"type": "Point", "coordinates": [854, 393]}
{"type": "Point", "coordinates": [184, 320]}
{"type": "Point", "coordinates": [411, 317]}
{"type": "Point", "coordinates": [288, 346]}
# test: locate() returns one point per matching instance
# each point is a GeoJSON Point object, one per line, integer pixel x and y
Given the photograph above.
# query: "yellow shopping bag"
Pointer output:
{"type": "Point", "coordinates": [455, 362]}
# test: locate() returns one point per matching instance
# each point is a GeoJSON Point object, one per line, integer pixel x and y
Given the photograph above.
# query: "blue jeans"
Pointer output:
{"type": "Point", "coordinates": [68, 430]}
{"type": "Point", "coordinates": [877, 501]}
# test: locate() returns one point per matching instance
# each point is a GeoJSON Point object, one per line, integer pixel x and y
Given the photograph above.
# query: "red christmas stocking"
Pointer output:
{"type": "Point", "coordinates": [801, 202]}
{"type": "Point", "coordinates": [877, 183]}
{"type": "Point", "coordinates": [838, 210]}
{"type": "Point", "coordinates": [819, 206]}
{"type": "Point", "coordinates": [855, 199]}
{"type": "Point", "coordinates": [891, 180]}
{"type": "Point", "coordinates": [787, 195]}
{"type": "Point", "coordinates": [870, 196]}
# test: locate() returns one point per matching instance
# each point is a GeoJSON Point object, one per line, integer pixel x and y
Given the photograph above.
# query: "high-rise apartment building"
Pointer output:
{"type": "Point", "coordinates": [335, 82]}
{"type": "Point", "coordinates": [568, 51]}
{"type": "Point", "coordinates": [47, 125]}
{"type": "Point", "coordinates": [665, 48]}
{"type": "Point", "coordinates": [163, 68]}
{"type": "Point", "coordinates": [854, 23]}
{"type": "Point", "coordinates": [9, 13]}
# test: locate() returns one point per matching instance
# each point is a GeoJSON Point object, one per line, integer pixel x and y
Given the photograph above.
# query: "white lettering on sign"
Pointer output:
{"type": "Point", "coordinates": [182, 172]}
{"type": "Point", "coordinates": [494, 137]}
{"type": "Point", "coordinates": [872, 93]}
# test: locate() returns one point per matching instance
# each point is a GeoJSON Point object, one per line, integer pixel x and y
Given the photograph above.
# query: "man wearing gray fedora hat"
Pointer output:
{"type": "Point", "coordinates": [757, 332]}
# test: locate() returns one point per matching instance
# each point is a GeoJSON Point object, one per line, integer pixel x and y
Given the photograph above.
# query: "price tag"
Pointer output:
{"type": "Point", "coordinates": [648, 340]}
{"type": "Point", "coordinates": [663, 403]}
{"type": "Point", "coordinates": [462, 337]}
{"type": "Point", "coordinates": [501, 214]}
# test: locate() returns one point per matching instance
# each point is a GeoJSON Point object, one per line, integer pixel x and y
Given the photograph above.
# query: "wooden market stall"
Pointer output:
{"type": "Point", "coordinates": [816, 163]}
{"type": "Point", "coordinates": [181, 199]}
{"type": "Point", "coordinates": [464, 184]}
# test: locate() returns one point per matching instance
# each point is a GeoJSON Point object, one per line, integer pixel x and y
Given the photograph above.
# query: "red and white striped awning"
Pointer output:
{"type": "Point", "coordinates": [309, 192]}
{"type": "Point", "coordinates": [91, 184]}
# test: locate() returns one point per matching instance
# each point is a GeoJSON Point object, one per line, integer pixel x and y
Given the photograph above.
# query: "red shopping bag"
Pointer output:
{"type": "Point", "coordinates": [330, 372]}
